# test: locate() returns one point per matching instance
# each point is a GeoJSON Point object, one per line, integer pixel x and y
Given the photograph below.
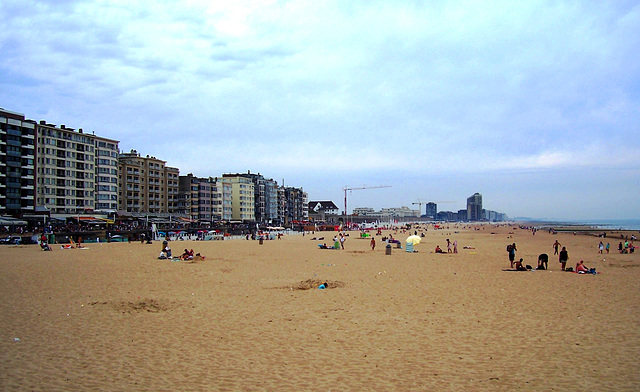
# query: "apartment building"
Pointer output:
{"type": "Point", "coordinates": [146, 184]}
{"type": "Point", "coordinates": [17, 163]}
{"type": "Point", "coordinates": [66, 168]}
{"type": "Point", "coordinates": [205, 199]}
{"type": "Point", "coordinates": [474, 207]}
{"type": "Point", "coordinates": [296, 205]}
{"type": "Point", "coordinates": [242, 197]}
{"type": "Point", "coordinates": [106, 179]}
{"type": "Point", "coordinates": [265, 197]}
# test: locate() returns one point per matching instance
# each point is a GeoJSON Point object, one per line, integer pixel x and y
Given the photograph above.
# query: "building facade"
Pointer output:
{"type": "Point", "coordinates": [146, 184]}
{"type": "Point", "coordinates": [17, 163]}
{"type": "Point", "coordinates": [296, 205]}
{"type": "Point", "coordinates": [66, 169]}
{"type": "Point", "coordinates": [242, 197]}
{"type": "Point", "coordinates": [106, 178]}
{"type": "Point", "coordinates": [205, 199]}
{"type": "Point", "coordinates": [474, 207]}
{"type": "Point", "coordinates": [431, 210]}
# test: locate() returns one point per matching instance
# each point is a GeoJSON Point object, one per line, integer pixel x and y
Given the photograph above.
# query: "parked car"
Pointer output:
{"type": "Point", "coordinates": [13, 240]}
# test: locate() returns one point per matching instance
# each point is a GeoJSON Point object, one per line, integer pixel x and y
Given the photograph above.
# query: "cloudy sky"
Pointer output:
{"type": "Point", "coordinates": [533, 104]}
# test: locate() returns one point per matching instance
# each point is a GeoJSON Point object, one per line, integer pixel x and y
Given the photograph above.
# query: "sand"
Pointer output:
{"type": "Point", "coordinates": [114, 318]}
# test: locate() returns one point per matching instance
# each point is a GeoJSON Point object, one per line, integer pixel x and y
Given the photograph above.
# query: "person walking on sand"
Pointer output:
{"type": "Point", "coordinates": [455, 246]}
{"type": "Point", "coordinates": [601, 247]}
{"type": "Point", "coordinates": [448, 246]}
{"type": "Point", "coordinates": [373, 243]}
{"type": "Point", "coordinates": [556, 245]}
{"type": "Point", "coordinates": [563, 257]}
{"type": "Point", "coordinates": [342, 240]}
{"type": "Point", "coordinates": [608, 247]}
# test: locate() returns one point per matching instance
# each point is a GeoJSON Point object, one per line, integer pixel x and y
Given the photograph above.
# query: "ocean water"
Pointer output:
{"type": "Point", "coordinates": [610, 224]}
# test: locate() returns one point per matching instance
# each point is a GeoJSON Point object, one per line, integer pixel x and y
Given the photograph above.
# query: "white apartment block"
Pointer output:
{"type": "Point", "coordinates": [242, 197]}
{"type": "Point", "coordinates": [66, 167]}
{"type": "Point", "coordinates": [106, 151]}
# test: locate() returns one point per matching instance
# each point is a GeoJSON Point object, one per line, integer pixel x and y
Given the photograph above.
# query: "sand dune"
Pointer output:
{"type": "Point", "coordinates": [113, 317]}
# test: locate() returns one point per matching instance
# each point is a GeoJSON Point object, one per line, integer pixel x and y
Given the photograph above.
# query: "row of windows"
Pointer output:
{"type": "Point", "coordinates": [67, 192]}
{"type": "Point", "coordinates": [66, 202]}
{"type": "Point", "coordinates": [110, 146]}
{"type": "Point", "coordinates": [107, 197]}
{"type": "Point", "coordinates": [19, 139]}
{"type": "Point", "coordinates": [67, 135]}
{"type": "Point", "coordinates": [66, 173]}
{"type": "Point", "coordinates": [62, 144]}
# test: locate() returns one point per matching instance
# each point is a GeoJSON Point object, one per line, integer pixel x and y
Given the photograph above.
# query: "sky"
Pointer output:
{"type": "Point", "coordinates": [533, 104]}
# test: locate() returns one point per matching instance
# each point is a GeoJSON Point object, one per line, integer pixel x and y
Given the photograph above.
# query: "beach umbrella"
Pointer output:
{"type": "Point", "coordinates": [413, 240]}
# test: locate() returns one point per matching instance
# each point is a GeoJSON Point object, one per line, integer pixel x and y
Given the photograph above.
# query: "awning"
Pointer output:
{"type": "Point", "coordinates": [11, 221]}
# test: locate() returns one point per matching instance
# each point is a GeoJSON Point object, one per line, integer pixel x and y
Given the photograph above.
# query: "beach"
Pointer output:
{"type": "Point", "coordinates": [112, 317]}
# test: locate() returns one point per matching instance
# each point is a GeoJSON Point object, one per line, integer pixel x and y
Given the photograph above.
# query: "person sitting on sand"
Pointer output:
{"type": "Point", "coordinates": [518, 266]}
{"type": "Point", "coordinates": [45, 246]}
{"type": "Point", "coordinates": [543, 261]}
{"type": "Point", "coordinates": [167, 251]}
{"type": "Point", "coordinates": [438, 249]}
{"type": "Point", "coordinates": [323, 246]}
{"type": "Point", "coordinates": [186, 255]}
{"type": "Point", "coordinates": [581, 268]}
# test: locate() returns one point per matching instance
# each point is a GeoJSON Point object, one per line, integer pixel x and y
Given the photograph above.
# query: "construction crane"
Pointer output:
{"type": "Point", "coordinates": [346, 188]}
{"type": "Point", "coordinates": [419, 203]}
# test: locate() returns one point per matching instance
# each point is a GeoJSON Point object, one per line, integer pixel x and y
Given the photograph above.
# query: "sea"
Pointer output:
{"type": "Point", "coordinates": [605, 224]}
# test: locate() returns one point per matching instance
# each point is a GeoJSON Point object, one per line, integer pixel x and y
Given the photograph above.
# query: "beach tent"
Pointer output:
{"type": "Point", "coordinates": [411, 242]}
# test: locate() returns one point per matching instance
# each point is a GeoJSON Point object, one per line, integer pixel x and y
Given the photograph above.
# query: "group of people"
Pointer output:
{"type": "Point", "coordinates": [543, 260]}
{"type": "Point", "coordinates": [626, 247]}
{"type": "Point", "coordinates": [187, 255]}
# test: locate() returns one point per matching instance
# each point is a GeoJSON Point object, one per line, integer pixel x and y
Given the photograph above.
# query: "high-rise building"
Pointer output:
{"type": "Point", "coordinates": [296, 205]}
{"type": "Point", "coordinates": [147, 185]}
{"type": "Point", "coordinates": [106, 179]}
{"type": "Point", "coordinates": [265, 197]}
{"type": "Point", "coordinates": [205, 199]}
{"type": "Point", "coordinates": [431, 210]}
{"type": "Point", "coordinates": [66, 169]}
{"type": "Point", "coordinates": [474, 207]}
{"type": "Point", "coordinates": [17, 163]}
{"type": "Point", "coordinates": [242, 197]}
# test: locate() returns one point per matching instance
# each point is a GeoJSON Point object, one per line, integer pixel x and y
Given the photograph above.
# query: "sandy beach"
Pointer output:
{"type": "Point", "coordinates": [114, 318]}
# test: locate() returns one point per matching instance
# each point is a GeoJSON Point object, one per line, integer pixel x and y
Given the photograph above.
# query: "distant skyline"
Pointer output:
{"type": "Point", "coordinates": [535, 105]}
